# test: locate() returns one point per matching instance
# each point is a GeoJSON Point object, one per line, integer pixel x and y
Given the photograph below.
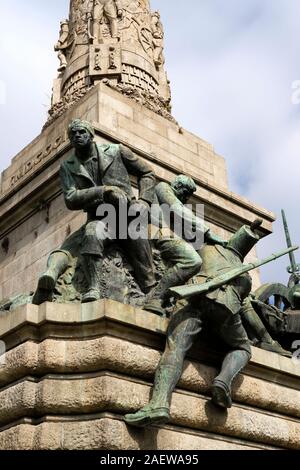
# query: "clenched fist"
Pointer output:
{"type": "Point", "coordinates": [115, 196]}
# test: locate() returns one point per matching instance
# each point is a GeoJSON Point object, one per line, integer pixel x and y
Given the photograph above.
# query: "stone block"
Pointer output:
{"type": "Point", "coordinates": [156, 125]}
{"type": "Point", "coordinates": [110, 433]}
{"type": "Point", "coordinates": [84, 362]}
{"type": "Point", "coordinates": [183, 140]}
{"type": "Point", "coordinates": [115, 105]}
{"type": "Point", "coordinates": [123, 357]}
{"type": "Point", "coordinates": [84, 395]}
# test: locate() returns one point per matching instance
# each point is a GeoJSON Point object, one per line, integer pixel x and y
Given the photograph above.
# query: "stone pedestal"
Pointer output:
{"type": "Point", "coordinates": [73, 371]}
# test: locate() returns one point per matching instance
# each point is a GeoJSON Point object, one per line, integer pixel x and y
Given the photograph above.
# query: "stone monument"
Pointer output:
{"type": "Point", "coordinates": [117, 42]}
{"type": "Point", "coordinates": [72, 370]}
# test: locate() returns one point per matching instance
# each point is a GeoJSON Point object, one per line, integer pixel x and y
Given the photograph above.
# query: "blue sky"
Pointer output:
{"type": "Point", "coordinates": [231, 65]}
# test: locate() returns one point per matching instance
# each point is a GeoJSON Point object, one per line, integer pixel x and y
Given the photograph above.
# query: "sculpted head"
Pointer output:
{"type": "Point", "coordinates": [81, 134]}
{"type": "Point", "coordinates": [64, 26]}
{"type": "Point", "coordinates": [184, 187]}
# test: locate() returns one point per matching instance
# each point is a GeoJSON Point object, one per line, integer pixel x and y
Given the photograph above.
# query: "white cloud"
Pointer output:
{"type": "Point", "coordinates": [28, 67]}
{"type": "Point", "coordinates": [232, 85]}
{"type": "Point", "coordinates": [2, 92]}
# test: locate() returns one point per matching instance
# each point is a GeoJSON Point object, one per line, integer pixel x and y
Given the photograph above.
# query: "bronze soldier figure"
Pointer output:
{"type": "Point", "coordinates": [177, 251]}
{"type": "Point", "coordinates": [219, 311]}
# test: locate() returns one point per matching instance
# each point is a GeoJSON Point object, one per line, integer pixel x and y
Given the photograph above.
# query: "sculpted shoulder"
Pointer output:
{"type": "Point", "coordinates": [217, 258]}
{"type": "Point", "coordinates": [109, 149]}
{"type": "Point", "coordinates": [161, 187]}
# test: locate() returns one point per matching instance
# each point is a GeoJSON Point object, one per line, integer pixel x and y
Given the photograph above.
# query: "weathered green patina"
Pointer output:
{"type": "Point", "coordinates": [219, 311]}
{"type": "Point", "coordinates": [177, 248]}
{"type": "Point", "coordinates": [94, 175]}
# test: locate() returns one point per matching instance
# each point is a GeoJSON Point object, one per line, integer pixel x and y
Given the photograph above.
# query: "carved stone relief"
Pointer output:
{"type": "Point", "coordinates": [63, 44]}
{"type": "Point", "coordinates": [151, 101]}
{"type": "Point", "coordinates": [75, 83]}
{"type": "Point", "coordinates": [123, 43]}
{"type": "Point", "coordinates": [80, 20]}
{"type": "Point", "coordinates": [106, 14]}
{"type": "Point", "coordinates": [136, 77]}
{"type": "Point", "coordinates": [158, 40]}
{"type": "Point", "coordinates": [136, 25]}
{"type": "Point", "coordinates": [105, 59]}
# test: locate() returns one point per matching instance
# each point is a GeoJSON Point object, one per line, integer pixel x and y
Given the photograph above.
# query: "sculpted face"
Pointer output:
{"type": "Point", "coordinates": [183, 192]}
{"type": "Point", "coordinates": [80, 137]}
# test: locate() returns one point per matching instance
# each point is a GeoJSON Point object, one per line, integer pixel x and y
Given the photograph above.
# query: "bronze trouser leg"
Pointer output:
{"type": "Point", "coordinates": [92, 267]}
{"type": "Point", "coordinates": [186, 263]}
{"type": "Point", "coordinates": [229, 327]}
{"type": "Point", "coordinates": [93, 245]}
{"type": "Point", "coordinates": [254, 326]}
{"type": "Point", "coordinates": [56, 265]}
{"type": "Point", "coordinates": [140, 255]}
{"type": "Point", "coordinates": [184, 327]}
{"type": "Point", "coordinates": [233, 363]}
{"type": "Point", "coordinates": [94, 241]}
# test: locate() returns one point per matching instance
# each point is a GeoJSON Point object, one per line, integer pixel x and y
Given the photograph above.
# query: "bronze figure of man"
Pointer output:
{"type": "Point", "coordinates": [177, 249]}
{"type": "Point", "coordinates": [94, 175]}
{"type": "Point", "coordinates": [219, 311]}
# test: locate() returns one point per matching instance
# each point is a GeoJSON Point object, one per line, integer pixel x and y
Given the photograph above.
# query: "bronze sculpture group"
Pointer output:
{"type": "Point", "coordinates": [97, 176]}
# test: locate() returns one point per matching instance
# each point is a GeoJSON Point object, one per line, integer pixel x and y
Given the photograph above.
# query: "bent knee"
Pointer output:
{"type": "Point", "coordinates": [247, 349]}
{"type": "Point", "coordinates": [192, 263]}
{"type": "Point", "coordinates": [197, 264]}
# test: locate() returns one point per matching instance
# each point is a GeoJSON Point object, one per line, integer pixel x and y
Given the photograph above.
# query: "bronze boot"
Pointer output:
{"type": "Point", "coordinates": [57, 264]}
{"type": "Point", "coordinates": [158, 296]}
{"type": "Point", "coordinates": [233, 363]}
{"type": "Point", "coordinates": [92, 266]}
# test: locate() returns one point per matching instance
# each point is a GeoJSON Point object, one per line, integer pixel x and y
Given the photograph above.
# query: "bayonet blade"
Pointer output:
{"type": "Point", "coordinates": [293, 268]}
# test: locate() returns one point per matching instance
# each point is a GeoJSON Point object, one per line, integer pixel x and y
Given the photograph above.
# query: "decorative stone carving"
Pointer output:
{"type": "Point", "coordinates": [138, 78]}
{"type": "Point", "coordinates": [150, 100]}
{"type": "Point", "coordinates": [75, 83]}
{"type": "Point", "coordinates": [106, 11]}
{"type": "Point", "coordinates": [97, 65]}
{"type": "Point", "coordinates": [158, 40]}
{"type": "Point", "coordinates": [105, 59]}
{"type": "Point", "coordinates": [136, 25]}
{"type": "Point", "coordinates": [63, 44]}
{"type": "Point", "coordinates": [112, 58]}
{"type": "Point", "coordinates": [105, 38]}
{"type": "Point", "coordinates": [65, 103]}
{"type": "Point", "coordinates": [81, 20]}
